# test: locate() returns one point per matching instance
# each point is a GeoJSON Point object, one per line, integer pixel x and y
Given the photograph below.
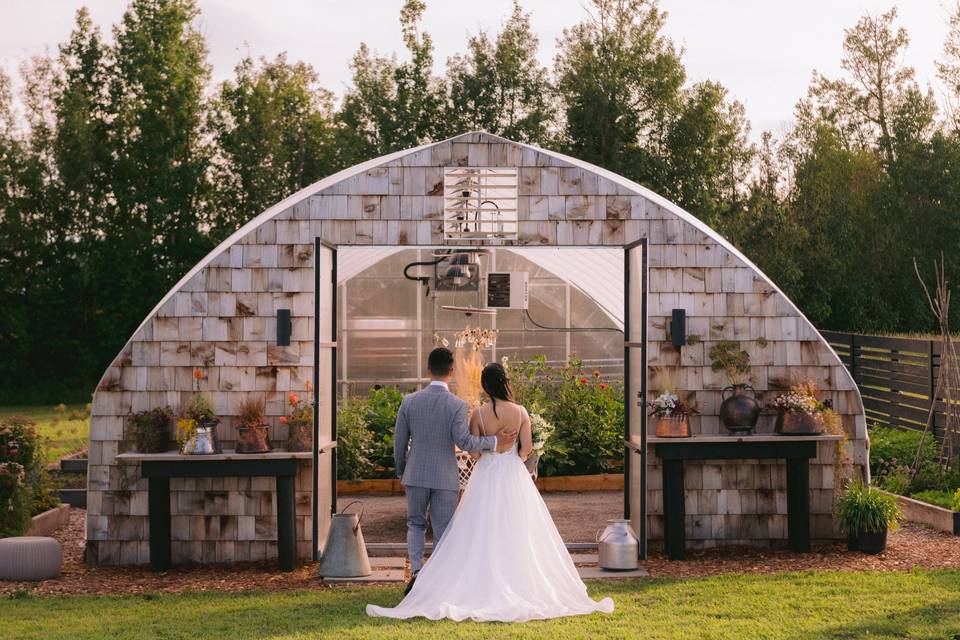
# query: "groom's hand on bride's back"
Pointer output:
{"type": "Point", "coordinates": [505, 437]}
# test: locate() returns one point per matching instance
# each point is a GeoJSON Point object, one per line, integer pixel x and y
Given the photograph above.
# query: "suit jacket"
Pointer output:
{"type": "Point", "coordinates": [435, 420]}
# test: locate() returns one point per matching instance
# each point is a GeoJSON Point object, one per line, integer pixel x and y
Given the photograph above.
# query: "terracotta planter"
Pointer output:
{"type": "Point", "coordinates": [739, 411]}
{"type": "Point", "coordinates": [673, 427]}
{"type": "Point", "coordinates": [254, 439]}
{"type": "Point", "coordinates": [300, 437]}
{"type": "Point", "coordinates": [799, 423]}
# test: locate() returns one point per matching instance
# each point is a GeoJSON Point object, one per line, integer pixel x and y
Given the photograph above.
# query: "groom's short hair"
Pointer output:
{"type": "Point", "coordinates": [440, 362]}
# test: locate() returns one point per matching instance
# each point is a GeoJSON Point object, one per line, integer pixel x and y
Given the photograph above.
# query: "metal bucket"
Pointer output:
{"type": "Point", "coordinates": [345, 554]}
{"type": "Point", "coordinates": [618, 547]}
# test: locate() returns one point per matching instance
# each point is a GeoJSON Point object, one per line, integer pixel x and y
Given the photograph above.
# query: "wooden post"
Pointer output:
{"type": "Point", "coordinates": [674, 514]}
{"type": "Point", "coordinates": [158, 505]}
{"type": "Point", "coordinates": [798, 504]}
{"type": "Point", "coordinates": [286, 523]}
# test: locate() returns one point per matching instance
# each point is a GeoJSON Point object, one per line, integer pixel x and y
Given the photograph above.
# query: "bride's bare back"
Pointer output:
{"type": "Point", "coordinates": [510, 417]}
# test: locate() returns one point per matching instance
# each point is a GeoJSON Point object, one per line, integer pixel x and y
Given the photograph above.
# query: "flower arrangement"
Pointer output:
{"type": "Point", "coordinates": [151, 429]}
{"type": "Point", "coordinates": [800, 398]}
{"type": "Point", "coordinates": [728, 357]}
{"type": "Point", "coordinates": [476, 337]}
{"type": "Point", "coordinates": [669, 404]}
{"type": "Point", "coordinates": [254, 432]}
{"type": "Point", "coordinates": [199, 415]}
{"type": "Point", "coordinates": [299, 422]}
{"type": "Point", "coordinates": [540, 430]}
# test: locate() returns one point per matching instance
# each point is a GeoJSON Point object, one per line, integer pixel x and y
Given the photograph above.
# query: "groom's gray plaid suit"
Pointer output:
{"type": "Point", "coordinates": [435, 420]}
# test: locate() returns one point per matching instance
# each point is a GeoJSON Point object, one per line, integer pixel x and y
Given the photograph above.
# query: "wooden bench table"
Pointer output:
{"type": "Point", "coordinates": [796, 450]}
{"type": "Point", "coordinates": [158, 468]}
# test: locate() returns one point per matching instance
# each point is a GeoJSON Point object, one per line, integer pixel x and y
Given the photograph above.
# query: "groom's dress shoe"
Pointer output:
{"type": "Point", "coordinates": [410, 584]}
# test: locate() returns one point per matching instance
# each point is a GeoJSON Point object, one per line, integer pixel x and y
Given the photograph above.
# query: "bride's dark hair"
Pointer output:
{"type": "Point", "coordinates": [495, 383]}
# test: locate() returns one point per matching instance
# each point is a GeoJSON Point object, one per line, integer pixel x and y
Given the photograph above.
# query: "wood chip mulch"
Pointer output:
{"type": "Point", "coordinates": [910, 547]}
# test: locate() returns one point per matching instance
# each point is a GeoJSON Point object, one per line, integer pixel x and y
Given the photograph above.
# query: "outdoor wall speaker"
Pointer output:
{"type": "Point", "coordinates": [284, 327]}
{"type": "Point", "coordinates": [678, 328]}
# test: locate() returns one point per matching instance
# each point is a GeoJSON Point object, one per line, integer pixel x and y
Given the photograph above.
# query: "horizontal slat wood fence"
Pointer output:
{"type": "Point", "coordinates": [896, 377]}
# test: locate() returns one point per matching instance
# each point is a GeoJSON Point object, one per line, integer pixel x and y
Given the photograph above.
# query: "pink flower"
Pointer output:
{"type": "Point", "coordinates": [283, 419]}
{"type": "Point", "coordinates": [293, 398]}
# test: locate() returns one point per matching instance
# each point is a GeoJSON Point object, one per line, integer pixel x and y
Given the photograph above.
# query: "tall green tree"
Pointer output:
{"type": "Point", "coordinates": [273, 133]}
{"type": "Point", "coordinates": [499, 86]}
{"type": "Point", "coordinates": [393, 105]}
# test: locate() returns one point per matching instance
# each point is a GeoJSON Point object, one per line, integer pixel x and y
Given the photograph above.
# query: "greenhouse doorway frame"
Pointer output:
{"type": "Point", "coordinates": [635, 284]}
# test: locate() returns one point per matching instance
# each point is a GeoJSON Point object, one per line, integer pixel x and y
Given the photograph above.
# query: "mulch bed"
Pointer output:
{"type": "Point", "coordinates": [910, 547]}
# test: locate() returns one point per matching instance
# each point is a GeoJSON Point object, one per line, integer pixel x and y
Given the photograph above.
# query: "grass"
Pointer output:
{"type": "Point", "coordinates": [919, 604]}
{"type": "Point", "coordinates": [62, 435]}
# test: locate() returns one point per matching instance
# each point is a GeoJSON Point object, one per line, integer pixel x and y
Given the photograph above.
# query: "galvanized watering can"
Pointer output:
{"type": "Point", "coordinates": [345, 554]}
{"type": "Point", "coordinates": [618, 546]}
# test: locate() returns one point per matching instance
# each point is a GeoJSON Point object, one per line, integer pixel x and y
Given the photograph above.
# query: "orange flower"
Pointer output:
{"type": "Point", "coordinates": [596, 373]}
{"type": "Point", "coordinates": [283, 419]}
{"type": "Point", "coordinates": [293, 398]}
{"type": "Point", "coordinates": [197, 373]}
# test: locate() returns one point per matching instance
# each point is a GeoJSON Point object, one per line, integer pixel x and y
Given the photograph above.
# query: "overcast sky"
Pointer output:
{"type": "Point", "coordinates": [763, 51]}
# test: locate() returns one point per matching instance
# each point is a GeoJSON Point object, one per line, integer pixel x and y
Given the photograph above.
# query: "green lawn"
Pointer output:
{"type": "Point", "coordinates": [62, 434]}
{"type": "Point", "coordinates": [804, 606]}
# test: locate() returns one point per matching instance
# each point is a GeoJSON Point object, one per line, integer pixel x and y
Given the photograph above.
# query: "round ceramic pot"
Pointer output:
{"type": "Point", "coordinates": [739, 410]}
{"type": "Point", "coordinates": [254, 439]}
{"type": "Point", "coordinates": [799, 423]}
{"type": "Point", "coordinates": [673, 427]}
{"type": "Point", "coordinates": [872, 543]}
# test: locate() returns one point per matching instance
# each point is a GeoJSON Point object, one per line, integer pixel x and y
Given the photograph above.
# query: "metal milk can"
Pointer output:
{"type": "Point", "coordinates": [618, 546]}
{"type": "Point", "coordinates": [345, 554]}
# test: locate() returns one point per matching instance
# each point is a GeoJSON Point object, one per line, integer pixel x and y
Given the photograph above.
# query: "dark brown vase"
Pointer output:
{"type": "Point", "coordinates": [799, 423]}
{"type": "Point", "coordinates": [254, 440]}
{"type": "Point", "coordinates": [739, 412]}
{"type": "Point", "coordinates": [673, 427]}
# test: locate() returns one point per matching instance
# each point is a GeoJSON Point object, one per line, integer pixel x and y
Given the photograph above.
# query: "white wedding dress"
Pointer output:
{"type": "Point", "coordinates": [501, 557]}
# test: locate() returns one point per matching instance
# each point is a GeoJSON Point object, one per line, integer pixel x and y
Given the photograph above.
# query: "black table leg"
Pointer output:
{"type": "Point", "coordinates": [158, 503]}
{"type": "Point", "coordinates": [673, 509]}
{"type": "Point", "coordinates": [286, 523]}
{"type": "Point", "coordinates": [798, 504]}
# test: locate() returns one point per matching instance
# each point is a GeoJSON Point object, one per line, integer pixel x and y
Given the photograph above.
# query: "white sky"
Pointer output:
{"type": "Point", "coordinates": [763, 51]}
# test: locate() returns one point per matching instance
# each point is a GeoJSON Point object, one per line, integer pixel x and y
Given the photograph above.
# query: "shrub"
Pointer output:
{"type": "Point", "coordinates": [863, 509]}
{"type": "Point", "coordinates": [382, 405]}
{"type": "Point", "coordinates": [18, 458]}
{"type": "Point", "coordinates": [938, 497]}
{"type": "Point", "coordinates": [151, 429]}
{"type": "Point", "coordinates": [891, 447]}
{"type": "Point", "coordinates": [355, 441]}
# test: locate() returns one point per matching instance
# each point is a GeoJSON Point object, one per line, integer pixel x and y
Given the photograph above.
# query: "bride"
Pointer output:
{"type": "Point", "coordinates": [501, 558]}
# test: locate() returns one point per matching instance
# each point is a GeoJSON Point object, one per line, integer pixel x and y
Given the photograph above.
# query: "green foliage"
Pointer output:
{"type": "Point", "coordinates": [945, 499]}
{"type": "Point", "coordinates": [586, 412]}
{"type": "Point", "coordinates": [19, 474]}
{"type": "Point", "coordinates": [152, 429]}
{"type": "Point", "coordinates": [892, 448]}
{"type": "Point", "coordinates": [727, 356]}
{"type": "Point", "coordinates": [863, 509]}
{"type": "Point", "coordinates": [356, 443]}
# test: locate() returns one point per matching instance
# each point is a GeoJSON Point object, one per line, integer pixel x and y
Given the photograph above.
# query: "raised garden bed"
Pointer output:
{"type": "Point", "coordinates": [46, 523]}
{"type": "Point", "coordinates": [392, 486]}
{"type": "Point", "coordinates": [929, 514]}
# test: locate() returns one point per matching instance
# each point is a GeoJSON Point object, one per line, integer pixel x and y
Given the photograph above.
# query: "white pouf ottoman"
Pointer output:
{"type": "Point", "coordinates": [30, 558]}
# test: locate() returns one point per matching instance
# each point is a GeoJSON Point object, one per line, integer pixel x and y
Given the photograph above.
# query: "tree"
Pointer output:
{"type": "Point", "coordinates": [500, 86]}
{"type": "Point", "coordinates": [392, 106]}
{"type": "Point", "coordinates": [273, 133]}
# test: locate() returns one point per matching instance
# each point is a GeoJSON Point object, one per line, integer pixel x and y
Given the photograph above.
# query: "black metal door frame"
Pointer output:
{"type": "Point", "coordinates": [631, 404]}
{"type": "Point", "coordinates": [320, 245]}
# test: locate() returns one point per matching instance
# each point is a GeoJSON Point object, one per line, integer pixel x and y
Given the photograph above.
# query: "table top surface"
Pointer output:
{"type": "Point", "coordinates": [765, 437]}
{"type": "Point", "coordinates": [228, 454]}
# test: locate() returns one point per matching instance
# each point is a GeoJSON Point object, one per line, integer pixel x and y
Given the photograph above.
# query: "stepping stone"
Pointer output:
{"type": "Point", "coordinates": [585, 558]}
{"type": "Point", "coordinates": [378, 575]}
{"type": "Point", "coordinates": [392, 562]}
{"type": "Point", "coordinates": [596, 573]}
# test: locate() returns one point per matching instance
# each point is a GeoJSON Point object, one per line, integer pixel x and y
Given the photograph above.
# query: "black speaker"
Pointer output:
{"type": "Point", "coordinates": [678, 328]}
{"type": "Point", "coordinates": [284, 327]}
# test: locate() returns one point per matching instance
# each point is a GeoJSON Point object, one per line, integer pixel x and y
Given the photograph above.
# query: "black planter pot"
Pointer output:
{"type": "Point", "coordinates": [872, 543]}
{"type": "Point", "coordinates": [853, 543]}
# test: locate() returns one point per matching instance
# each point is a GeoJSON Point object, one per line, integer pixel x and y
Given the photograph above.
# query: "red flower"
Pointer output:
{"type": "Point", "coordinates": [584, 381]}
{"type": "Point", "coordinates": [197, 374]}
{"type": "Point", "coordinates": [283, 419]}
{"type": "Point", "coordinates": [293, 398]}
{"type": "Point", "coordinates": [603, 386]}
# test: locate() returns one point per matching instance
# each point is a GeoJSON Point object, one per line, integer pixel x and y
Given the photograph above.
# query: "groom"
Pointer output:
{"type": "Point", "coordinates": [435, 420]}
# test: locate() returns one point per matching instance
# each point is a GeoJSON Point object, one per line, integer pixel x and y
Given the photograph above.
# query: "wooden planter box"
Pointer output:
{"type": "Point", "coordinates": [929, 514]}
{"type": "Point", "coordinates": [46, 523]}
{"type": "Point", "coordinates": [598, 482]}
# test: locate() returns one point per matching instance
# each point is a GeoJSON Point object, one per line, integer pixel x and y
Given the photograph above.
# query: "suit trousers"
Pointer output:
{"type": "Point", "coordinates": [441, 504]}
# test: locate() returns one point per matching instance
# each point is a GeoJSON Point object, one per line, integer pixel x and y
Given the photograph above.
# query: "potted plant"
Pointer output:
{"type": "Point", "coordinates": [669, 409]}
{"type": "Point", "coordinates": [151, 429]}
{"type": "Point", "coordinates": [739, 411]}
{"type": "Point", "coordinates": [299, 422]}
{"type": "Point", "coordinates": [253, 430]}
{"type": "Point", "coordinates": [801, 413]}
{"type": "Point", "coordinates": [197, 430]}
{"type": "Point", "coordinates": [865, 514]}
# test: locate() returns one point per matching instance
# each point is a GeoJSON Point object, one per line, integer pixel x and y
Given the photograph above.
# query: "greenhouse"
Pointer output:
{"type": "Point", "coordinates": [290, 344]}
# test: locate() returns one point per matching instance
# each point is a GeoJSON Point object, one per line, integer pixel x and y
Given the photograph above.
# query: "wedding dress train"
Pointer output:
{"type": "Point", "coordinates": [501, 557]}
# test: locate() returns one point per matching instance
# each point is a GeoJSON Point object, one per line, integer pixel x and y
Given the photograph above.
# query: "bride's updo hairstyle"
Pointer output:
{"type": "Point", "coordinates": [496, 384]}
